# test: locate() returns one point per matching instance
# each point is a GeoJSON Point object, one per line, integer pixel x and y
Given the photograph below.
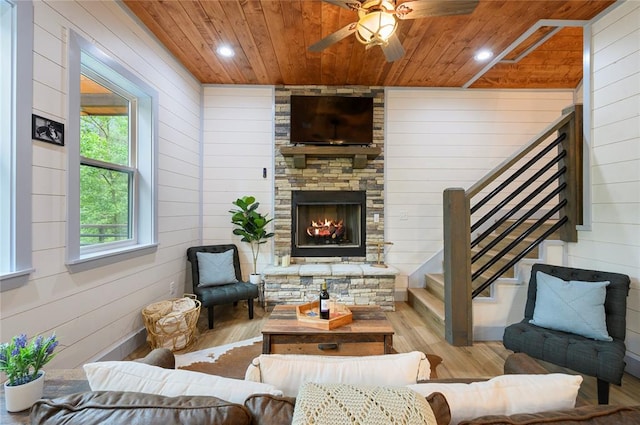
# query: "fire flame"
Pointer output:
{"type": "Point", "coordinates": [326, 228]}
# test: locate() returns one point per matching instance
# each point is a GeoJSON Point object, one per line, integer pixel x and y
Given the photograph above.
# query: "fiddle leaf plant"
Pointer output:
{"type": "Point", "coordinates": [250, 225]}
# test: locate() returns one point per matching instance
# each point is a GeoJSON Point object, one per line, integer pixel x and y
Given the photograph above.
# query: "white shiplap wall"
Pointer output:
{"type": "Point", "coordinates": [613, 242]}
{"type": "Point", "coordinates": [238, 143]}
{"type": "Point", "coordinates": [96, 311]}
{"type": "Point", "coordinates": [437, 139]}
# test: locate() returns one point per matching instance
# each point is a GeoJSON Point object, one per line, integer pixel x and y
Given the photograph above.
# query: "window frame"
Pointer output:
{"type": "Point", "coordinates": [19, 200]}
{"type": "Point", "coordinates": [84, 54]}
{"type": "Point", "coordinates": [129, 169]}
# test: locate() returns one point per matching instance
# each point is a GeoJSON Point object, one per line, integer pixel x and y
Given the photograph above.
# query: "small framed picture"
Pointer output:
{"type": "Point", "coordinates": [47, 130]}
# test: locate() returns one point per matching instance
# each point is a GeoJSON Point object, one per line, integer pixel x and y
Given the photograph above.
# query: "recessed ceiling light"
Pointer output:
{"type": "Point", "coordinates": [225, 51]}
{"type": "Point", "coordinates": [483, 55]}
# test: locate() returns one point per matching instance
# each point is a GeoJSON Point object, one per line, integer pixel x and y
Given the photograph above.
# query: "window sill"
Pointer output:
{"type": "Point", "coordinates": [103, 258]}
{"type": "Point", "coordinates": [15, 279]}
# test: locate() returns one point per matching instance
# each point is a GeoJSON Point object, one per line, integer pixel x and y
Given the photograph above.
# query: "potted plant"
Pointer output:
{"type": "Point", "coordinates": [22, 362]}
{"type": "Point", "coordinates": [251, 225]}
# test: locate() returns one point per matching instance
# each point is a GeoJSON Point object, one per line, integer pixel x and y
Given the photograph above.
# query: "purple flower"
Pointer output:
{"type": "Point", "coordinates": [38, 343]}
{"type": "Point", "coordinates": [52, 347]}
{"type": "Point", "coordinates": [20, 341]}
{"type": "Point", "coordinates": [22, 360]}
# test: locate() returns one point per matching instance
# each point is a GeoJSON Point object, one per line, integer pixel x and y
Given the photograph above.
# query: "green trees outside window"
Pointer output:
{"type": "Point", "coordinates": [106, 176]}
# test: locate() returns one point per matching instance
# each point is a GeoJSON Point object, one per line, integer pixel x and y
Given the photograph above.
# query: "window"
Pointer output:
{"type": "Point", "coordinates": [16, 58]}
{"type": "Point", "coordinates": [107, 164]}
{"type": "Point", "coordinates": [112, 128]}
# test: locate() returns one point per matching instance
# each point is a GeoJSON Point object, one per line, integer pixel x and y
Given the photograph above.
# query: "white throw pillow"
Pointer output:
{"type": "Point", "coordinates": [506, 395]}
{"type": "Point", "coordinates": [289, 372]}
{"type": "Point", "coordinates": [144, 378]}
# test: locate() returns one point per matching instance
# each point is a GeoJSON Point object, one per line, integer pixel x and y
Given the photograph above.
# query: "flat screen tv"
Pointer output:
{"type": "Point", "coordinates": [331, 120]}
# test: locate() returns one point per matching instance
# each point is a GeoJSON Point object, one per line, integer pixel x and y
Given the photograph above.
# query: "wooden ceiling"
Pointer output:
{"type": "Point", "coordinates": [270, 39]}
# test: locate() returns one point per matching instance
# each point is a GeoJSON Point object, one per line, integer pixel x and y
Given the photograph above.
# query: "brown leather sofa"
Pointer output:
{"type": "Point", "coordinates": [112, 407]}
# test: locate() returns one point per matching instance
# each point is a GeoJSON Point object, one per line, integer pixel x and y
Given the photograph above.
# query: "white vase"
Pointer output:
{"type": "Point", "coordinates": [22, 397]}
{"type": "Point", "coordinates": [255, 278]}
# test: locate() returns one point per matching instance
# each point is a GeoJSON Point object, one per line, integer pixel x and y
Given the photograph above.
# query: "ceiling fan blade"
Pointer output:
{"type": "Point", "coordinates": [393, 50]}
{"type": "Point", "coordinates": [347, 4]}
{"type": "Point", "coordinates": [334, 38]}
{"type": "Point", "coordinates": [425, 8]}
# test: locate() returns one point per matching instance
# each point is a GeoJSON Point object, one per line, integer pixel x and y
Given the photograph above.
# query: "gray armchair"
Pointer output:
{"type": "Point", "coordinates": [222, 292]}
{"type": "Point", "coordinates": [602, 359]}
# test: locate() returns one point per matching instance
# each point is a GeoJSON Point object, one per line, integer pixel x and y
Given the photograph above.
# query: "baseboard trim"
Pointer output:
{"type": "Point", "coordinates": [126, 347]}
{"type": "Point", "coordinates": [488, 333]}
{"type": "Point", "coordinates": [633, 365]}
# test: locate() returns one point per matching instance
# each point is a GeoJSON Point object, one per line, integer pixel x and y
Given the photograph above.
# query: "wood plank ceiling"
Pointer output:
{"type": "Point", "coordinates": [270, 39]}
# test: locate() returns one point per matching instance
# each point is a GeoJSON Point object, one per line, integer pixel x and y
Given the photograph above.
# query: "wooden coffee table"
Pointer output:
{"type": "Point", "coordinates": [369, 334]}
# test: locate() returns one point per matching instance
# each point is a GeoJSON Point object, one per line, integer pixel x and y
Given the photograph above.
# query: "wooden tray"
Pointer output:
{"type": "Point", "coordinates": [305, 315]}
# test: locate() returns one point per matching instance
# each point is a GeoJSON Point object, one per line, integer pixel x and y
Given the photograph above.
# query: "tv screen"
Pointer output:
{"type": "Point", "coordinates": [331, 120]}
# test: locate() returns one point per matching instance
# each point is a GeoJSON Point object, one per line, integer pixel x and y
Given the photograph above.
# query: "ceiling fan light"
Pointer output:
{"type": "Point", "coordinates": [376, 27]}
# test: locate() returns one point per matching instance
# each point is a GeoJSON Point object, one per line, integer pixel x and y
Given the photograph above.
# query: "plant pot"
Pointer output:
{"type": "Point", "coordinates": [255, 278]}
{"type": "Point", "coordinates": [22, 397]}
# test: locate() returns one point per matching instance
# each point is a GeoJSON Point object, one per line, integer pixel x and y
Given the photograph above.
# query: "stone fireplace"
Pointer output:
{"type": "Point", "coordinates": [342, 261]}
{"type": "Point", "coordinates": [332, 174]}
{"type": "Point", "coordinates": [328, 223]}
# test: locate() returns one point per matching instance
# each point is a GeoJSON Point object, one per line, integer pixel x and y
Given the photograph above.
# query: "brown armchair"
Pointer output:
{"type": "Point", "coordinates": [222, 291]}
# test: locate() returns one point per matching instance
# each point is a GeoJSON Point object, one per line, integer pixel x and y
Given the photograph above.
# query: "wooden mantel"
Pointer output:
{"type": "Point", "coordinates": [359, 154]}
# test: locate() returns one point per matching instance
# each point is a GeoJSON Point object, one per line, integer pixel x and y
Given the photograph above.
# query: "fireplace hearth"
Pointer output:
{"type": "Point", "coordinates": [328, 223]}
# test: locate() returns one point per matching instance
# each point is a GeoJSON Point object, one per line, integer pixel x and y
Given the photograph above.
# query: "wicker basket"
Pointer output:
{"type": "Point", "coordinates": [172, 323]}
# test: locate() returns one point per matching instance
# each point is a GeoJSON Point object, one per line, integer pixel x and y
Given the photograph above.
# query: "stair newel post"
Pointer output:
{"type": "Point", "coordinates": [572, 145]}
{"type": "Point", "coordinates": [457, 268]}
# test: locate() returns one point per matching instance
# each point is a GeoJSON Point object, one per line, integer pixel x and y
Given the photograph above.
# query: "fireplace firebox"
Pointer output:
{"type": "Point", "coordinates": [328, 223]}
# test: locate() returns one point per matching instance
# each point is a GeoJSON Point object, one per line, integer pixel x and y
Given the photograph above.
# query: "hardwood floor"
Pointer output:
{"type": "Point", "coordinates": [482, 360]}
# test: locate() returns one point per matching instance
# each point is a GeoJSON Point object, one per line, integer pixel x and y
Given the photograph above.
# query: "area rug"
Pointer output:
{"type": "Point", "coordinates": [229, 360]}
{"type": "Point", "coordinates": [232, 360]}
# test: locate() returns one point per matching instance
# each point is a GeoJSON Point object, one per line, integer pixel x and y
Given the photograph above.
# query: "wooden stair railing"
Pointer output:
{"type": "Point", "coordinates": [557, 180]}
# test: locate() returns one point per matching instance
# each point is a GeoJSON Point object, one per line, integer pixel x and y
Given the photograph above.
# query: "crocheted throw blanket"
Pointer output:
{"type": "Point", "coordinates": [343, 404]}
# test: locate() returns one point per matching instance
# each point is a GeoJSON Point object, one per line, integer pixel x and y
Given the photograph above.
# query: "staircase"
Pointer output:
{"type": "Point", "coordinates": [429, 301]}
{"type": "Point", "coordinates": [495, 226]}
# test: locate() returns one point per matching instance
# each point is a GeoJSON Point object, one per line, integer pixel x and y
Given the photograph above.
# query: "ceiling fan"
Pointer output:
{"type": "Point", "coordinates": [378, 20]}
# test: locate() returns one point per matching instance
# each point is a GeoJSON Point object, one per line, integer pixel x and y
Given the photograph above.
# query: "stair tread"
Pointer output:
{"type": "Point", "coordinates": [437, 277]}
{"type": "Point", "coordinates": [496, 249]}
{"type": "Point", "coordinates": [434, 283]}
{"type": "Point", "coordinates": [429, 300]}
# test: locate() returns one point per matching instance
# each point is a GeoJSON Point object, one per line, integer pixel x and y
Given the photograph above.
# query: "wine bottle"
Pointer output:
{"type": "Point", "coordinates": [324, 302]}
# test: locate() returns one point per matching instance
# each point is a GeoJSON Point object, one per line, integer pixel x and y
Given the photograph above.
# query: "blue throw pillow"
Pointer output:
{"type": "Point", "coordinates": [216, 268]}
{"type": "Point", "coordinates": [574, 306]}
